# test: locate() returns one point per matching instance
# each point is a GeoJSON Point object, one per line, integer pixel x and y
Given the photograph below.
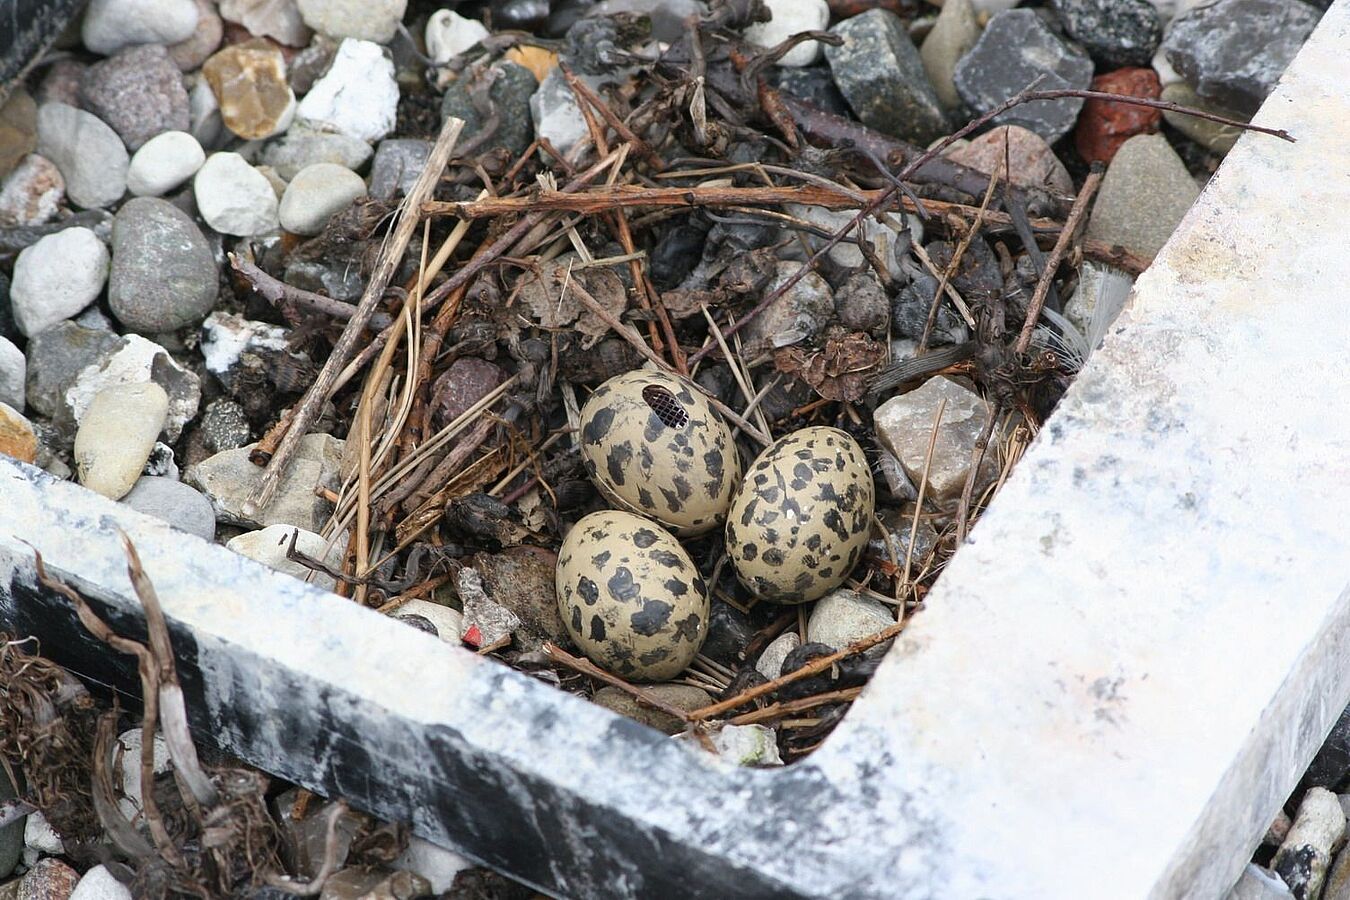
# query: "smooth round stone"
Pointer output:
{"type": "Point", "coordinates": [206, 125]}
{"type": "Point", "coordinates": [270, 545]}
{"type": "Point", "coordinates": [163, 163]}
{"type": "Point", "coordinates": [92, 158]}
{"type": "Point", "coordinates": [17, 437]}
{"type": "Point", "coordinates": [1146, 192]}
{"type": "Point", "coordinates": [13, 374]}
{"type": "Point", "coordinates": [163, 274]}
{"type": "Point", "coordinates": [233, 197]}
{"type": "Point", "coordinates": [301, 147]}
{"type": "Point", "coordinates": [278, 19]}
{"type": "Point", "coordinates": [1029, 157]}
{"type": "Point", "coordinates": [32, 193]}
{"type": "Point", "coordinates": [99, 884]}
{"type": "Point", "coordinates": [449, 34]}
{"type": "Point", "coordinates": [57, 277]}
{"type": "Point", "coordinates": [953, 34]}
{"type": "Point", "coordinates": [790, 17]}
{"type": "Point", "coordinates": [139, 92]}
{"type": "Point", "coordinates": [364, 20]}
{"type": "Point", "coordinates": [111, 25]}
{"type": "Point", "coordinates": [174, 502]}
{"type": "Point", "coordinates": [358, 96]}
{"type": "Point", "coordinates": [1214, 136]}
{"type": "Point", "coordinates": [315, 194]}
{"type": "Point", "coordinates": [844, 616]}
{"type": "Point", "coordinates": [116, 436]}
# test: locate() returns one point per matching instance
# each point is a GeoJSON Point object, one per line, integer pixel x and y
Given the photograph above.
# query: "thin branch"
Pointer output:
{"type": "Point", "coordinates": [276, 292]}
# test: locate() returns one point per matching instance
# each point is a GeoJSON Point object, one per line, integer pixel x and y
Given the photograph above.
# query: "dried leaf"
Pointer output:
{"type": "Point", "coordinates": [536, 59]}
{"type": "Point", "coordinates": [550, 295]}
{"type": "Point", "coordinates": [838, 372]}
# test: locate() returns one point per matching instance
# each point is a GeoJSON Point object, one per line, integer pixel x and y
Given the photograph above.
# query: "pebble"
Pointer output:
{"type": "Point", "coordinates": [224, 425]}
{"type": "Point", "coordinates": [362, 20]}
{"type": "Point", "coordinates": [952, 36]}
{"type": "Point", "coordinates": [49, 879]}
{"type": "Point", "coordinates": [770, 662]}
{"type": "Point", "coordinates": [363, 883]}
{"type": "Point", "coordinates": [18, 129]}
{"type": "Point", "coordinates": [862, 305]}
{"type": "Point", "coordinates": [800, 314]}
{"type": "Point", "coordinates": [40, 837]}
{"type": "Point", "coordinates": [32, 193]}
{"type": "Point", "coordinates": [163, 274]}
{"type": "Point", "coordinates": [880, 73]}
{"type": "Point", "coordinates": [1213, 136]}
{"type": "Point", "coordinates": [61, 82]}
{"type": "Point", "coordinates": [522, 579]}
{"type": "Point", "coordinates": [17, 437]}
{"type": "Point", "coordinates": [556, 115]}
{"type": "Point", "coordinates": [1104, 126]}
{"type": "Point", "coordinates": [163, 163]}
{"type": "Point", "coordinates": [277, 19]}
{"type": "Point", "coordinates": [1016, 47]}
{"type": "Point", "coordinates": [317, 193]}
{"type": "Point", "coordinates": [226, 336]}
{"type": "Point", "coordinates": [448, 622]}
{"type": "Point", "coordinates": [1233, 51]}
{"type": "Point", "coordinates": [206, 125]}
{"type": "Point", "coordinates": [1305, 856]}
{"type": "Point", "coordinates": [270, 545]}
{"type": "Point", "coordinates": [684, 697]}
{"type": "Point", "coordinates": [56, 357]}
{"type": "Point", "coordinates": [436, 864]}
{"type": "Point", "coordinates": [13, 374]}
{"type": "Point", "coordinates": [813, 84]}
{"type": "Point", "coordinates": [511, 90]}
{"type": "Point", "coordinates": [139, 93]}
{"type": "Point", "coordinates": [130, 359]}
{"type": "Point", "coordinates": [233, 197]}
{"type": "Point", "coordinates": [1033, 162]}
{"type": "Point", "coordinates": [398, 162]}
{"type": "Point", "coordinates": [1146, 192]}
{"type": "Point", "coordinates": [843, 616]}
{"type": "Point", "coordinates": [358, 96]}
{"type": "Point", "coordinates": [57, 277]}
{"type": "Point", "coordinates": [228, 478]}
{"type": "Point", "coordinates": [486, 622]}
{"type": "Point", "coordinates": [448, 34]}
{"type": "Point", "coordinates": [189, 54]}
{"type": "Point", "coordinates": [249, 84]}
{"type": "Point", "coordinates": [116, 435]}
{"type": "Point", "coordinates": [112, 25]}
{"type": "Point", "coordinates": [99, 884]}
{"type": "Point", "coordinates": [11, 835]}
{"type": "Point", "coordinates": [788, 17]}
{"type": "Point", "coordinates": [904, 423]}
{"type": "Point", "coordinates": [92, 158]}
{"type": "Point", "coordinates": [748, 745]}
{"type": "Point", "coordinates": [175, 503]}
{"type": "Point", "coordinates": [130, 769]}
{"type": "Point", "coordinates": [1115, 33]}
{"type": "Point", "coordinates": [301, 147]}
{"type": "Point", "coordinates": [1257, 883]}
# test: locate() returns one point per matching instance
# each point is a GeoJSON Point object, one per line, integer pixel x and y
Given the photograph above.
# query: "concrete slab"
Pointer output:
{"type": "Point", "coordinates": [1112, 689]}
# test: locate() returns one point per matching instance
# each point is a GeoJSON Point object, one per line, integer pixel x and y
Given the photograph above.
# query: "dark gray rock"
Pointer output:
{"type": "Point", "coordinates": [814, 84]}
{"type": "Point", "coordinates": [1115, 33]}
{"type": "Point", "coordinates": [11, 836]}
{"type": "Point", "coordinates": [163, 276]}
{"type": "Point", "coordinates": [398, 162]}
{"type": "Point", "coordinates": [879, 72]}
{"type": "Point", "coordinates": [139, 92]}
{"type": "Point", "coordinates": [861, 304]}
{"type": "Point", "coordinates": [511, 89]}
{"type": "Point", "coordinates": [909, 313]}
{"type": "Point", "coordinates": [1233, 51]}
{"type": "Point", "coordinates": [56, 356]}
{"type": "Point", "coordinates": [336, 278]}
{"type": "Point", "coordinates": [225, 426]}
{"type": "Point", "coordinates": [1016, 48]}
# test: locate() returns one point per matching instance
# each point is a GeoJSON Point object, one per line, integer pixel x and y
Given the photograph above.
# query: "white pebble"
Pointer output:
{"type": "Point", "coordinates": [270, 545]}
{"type": "Point", "coordinates": [116, 436]}
{"type": "Point", "coordinates": [39, 835]}
{"type": "Point", "coordinates": [99, 884]}
{"type": "Point", "coordinates": [57, 277]}
{"type": "Point", "coordinates": [358, 96]}
{"type": "Point", "coordinates": [91, 157]}
{"type": "Point", "coordinates": [436, 864]}
{"type": "Point", "coordinates": [449, 622]}
{"type": "Point", "coordinates": [748, 745]}
{"type": "Point", "coordinates": [789, 18]}
{"type": "Point", "coordinates": [130, 769]}
{"type": "Point", "coordinates": [163, 163]}
{"type": "Point", "coordinates": [449, 34]}
{"type": "Point", "coordinates": [367, 20]}
{"type": "Point", "coordinates": [844, 616]}
{"type": "Point", "coordinates": [315, 194]}
{"type": "Point", "coordinates": [13, 374]}
{"type": "Point", "coordinates": [233, 197]}
{"type": "Point", "coordinates": [770, 662]}
{"type": "Point", "coordinates": [111, 25]}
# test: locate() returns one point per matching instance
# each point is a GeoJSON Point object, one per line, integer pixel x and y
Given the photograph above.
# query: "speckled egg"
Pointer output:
{"type": "Point", "coordinates": [653, 446]}
{"type": "Point", "coordinates": [630, 597]}
{"type": "Point", "coordinates": [802, 516]}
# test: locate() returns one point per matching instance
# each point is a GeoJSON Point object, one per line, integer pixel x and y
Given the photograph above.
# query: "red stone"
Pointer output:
{"type": "Point", "coordinates": [1104, 125]}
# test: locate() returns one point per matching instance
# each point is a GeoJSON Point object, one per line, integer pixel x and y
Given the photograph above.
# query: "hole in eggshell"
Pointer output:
{"type": "Point", "coordinates": [666, 407]}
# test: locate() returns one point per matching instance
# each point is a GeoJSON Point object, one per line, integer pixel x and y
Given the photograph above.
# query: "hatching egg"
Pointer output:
{"type": "Point", "coordinates": [653, 446]}
{"type": "Point", "coordinates": [802, 516]}
{"type": "Point", "coordinates": [630, 597]}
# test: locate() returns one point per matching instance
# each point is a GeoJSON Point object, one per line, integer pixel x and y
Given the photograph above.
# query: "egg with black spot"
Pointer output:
{"type": "Point", "coordinates": [800, 521]}
{"type": "Point", "coordinates": [630, 596]}
{"type": "Point", "coordinates": [654, 446]}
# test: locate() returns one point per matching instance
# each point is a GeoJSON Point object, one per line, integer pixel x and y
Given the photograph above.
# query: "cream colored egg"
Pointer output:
{"type": "Point", "coordinates": [653, 446]}
{"type": "Point", "coordinates": [800, 521]}
{"type": "Point", "coordinates": [630, 597]}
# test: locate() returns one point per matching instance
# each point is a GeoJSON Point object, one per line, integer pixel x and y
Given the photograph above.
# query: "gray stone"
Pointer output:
{"type": "Point", "coordinates": [681, 696]}
{"type": "Point", "coordinates": [32, 193]}
{"type": "Point", "coordinates": [862, 305]}
{"type": "Point", "coordinates": [189, 54]}
{"type": "Point", "coordinates": [279, 19]}
{"type": "Point", "coordinates": [770, 662]}
{"type": "Point", "coordinates": [40, 837]}
{"type": "Point", "coordinates": [1143, 197]}
{"type": "Point", "coordinates": [92, 158]}
{"type": "Point", "coordinates": [301, 147]}
{"type": "Point", "coordinates": [234, 197]}
{"type": "Point", "coordinates": [271, 545]}
{"type": "Point", "coordinates": [1115, 33]}
{"type": "Point", "coordinates": [880, 73]}
{"type": "Point", "coordinates": [1305, 856]}
{"type": "Point", "coordinates": [1257, 883]}
{"type": "Point", "coordinates": [398, 162]}
{"type": "Point", "coordinates": [844, 616]}
{"type": "Point", "coordinates": [512, 87]}
{"type": "Point", "coordinates": [337, 278]}
{"type": "Point", "coordinates": [56, 357]}
{"type": "Point", "coordinates": [800, 314]}
{"type": "Point", "coordinates": [225, 426]}
{"type": "Point", "coordinates": [788, 17]}
{"type": "Point", "coordinates": [139, 93]}
{"type": "Point", "coordinates": [556, 114]}
{"type": "Point", "coordinates": [748, 745]}
{"type": "Point", "coordinates": [1233, 51]}
{"type": "Point", "coordinates": [163, 273]}
{"type": "Point", "coordinates": [1214, 136]}
{"type": "Point", "coordinates": [111, 25]}
{"type": "Point", "coordinates": [13, 374]}
{"type": "Point", "coordinates": [56, 278]}
{"type": "Point", "coordinates": [99, 884]}
{"type": "Point", "coordinates": [1016, 48]}
{"type": "Point", "coordinates": [229, 478]}
{"type": "Point", "coordinates": [358, 96]}
{"type": "Point", "coordinates": [813, 84]}
{"type": "Point", "coordinates": [163, 163]}
{"type": "Point", "coordinates": [364, 20]}
{"type": "Point", "coordinates": [11, 835]}
{"type": "Point", "coordinates": [316, 194]}
{"type": "Point", "coordinates": [116, 434]}
{"type": "Point", "coordinates": [897, 525]}
{"type": "Point", "coordinates": [175, 503]}
{"type": "Point", "coordinates": [1029, 157]}
{"type": "Point", "coordinates": [904, 424]}
{"type": "Point", "coordinates": [953, 34]}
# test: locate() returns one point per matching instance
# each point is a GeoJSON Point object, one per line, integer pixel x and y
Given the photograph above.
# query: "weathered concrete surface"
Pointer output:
{"type": "Point", "coordinates": [1110, 692]}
